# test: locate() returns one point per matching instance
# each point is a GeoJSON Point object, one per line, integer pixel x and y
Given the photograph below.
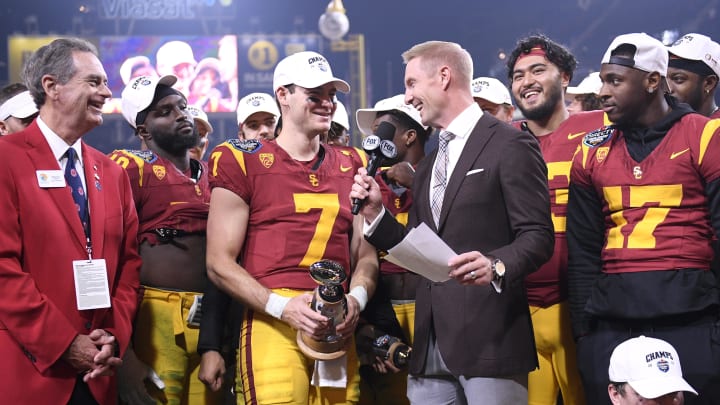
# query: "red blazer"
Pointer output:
{"type": "Point", "coordinates": [40, 236]}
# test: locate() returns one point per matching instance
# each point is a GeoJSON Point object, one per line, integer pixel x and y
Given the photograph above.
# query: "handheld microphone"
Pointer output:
{"type": "Point", "coordinates": [377, 147]}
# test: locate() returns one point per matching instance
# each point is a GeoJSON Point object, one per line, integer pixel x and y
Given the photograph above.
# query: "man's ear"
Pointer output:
{"type": "Point", "coordinates": [654, 81]}
{"type": "Point", "coordinates": [710, 83]}
{"type": "Point", "coordinates": [281, 94]}
{"type": "Point", "coordinates": [410, 137]}
{"type": "Point", "coordinates": [4, 130]}
{"type": "Point", "coordinates": [445, 76]}
{"type": "Point", "coordinates": [142, 133]}
{"type": "Point", "coordinates": [50, 84]}
{"type": "Point", "coordinates": [564, 80]}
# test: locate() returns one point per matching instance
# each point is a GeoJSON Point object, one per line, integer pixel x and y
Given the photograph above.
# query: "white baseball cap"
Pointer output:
{"type": "Point", "coordinates": [173, 53]}
{"type": "Point", "coordinates": [490, 89]}
{"type": "Point", "coordinates": [256, 102]}
{"type": "Point", "coordinates": [306, 69]}
{"type": "Point", "coordinates": [341, 116]}
{"type": "Point", "coordinates": [366, 116]}
{"type": "Point", "coordinates": [139, 93]}
{"type": "Point", "coordinates": [698, 47]}
{"type": "Point", "coordinates": [650, 54]}
{"type": "Point", "coordinates": [130, 64]}
{"type": "Point", "coordinates": [20, 106]}
{"type": "Point", "coordinates": [591, 84]}
{"type": "Point", "coordinates": [651, 367]}
{"type": "Point", "coordinates": [209, 63]}
{"type": "Point", "coordinates": [201, 119]}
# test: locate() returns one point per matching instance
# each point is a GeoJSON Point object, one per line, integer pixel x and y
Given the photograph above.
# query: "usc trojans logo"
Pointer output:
{"type": "Point", "coordinates": [267, 159]}
{"type": "Point", "coordinates": [313, 180]}
{"type": "Point", "coordinates": [602, 153]}
{"type": "Point", "coordinates": [159, 171]}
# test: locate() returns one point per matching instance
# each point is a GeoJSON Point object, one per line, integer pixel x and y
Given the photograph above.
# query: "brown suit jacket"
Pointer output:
{"type": "Point", "coordinates": [496, 202]}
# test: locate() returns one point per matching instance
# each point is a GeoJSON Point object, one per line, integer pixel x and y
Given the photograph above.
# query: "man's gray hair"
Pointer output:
{"type": "Point", "coordinates": [55, 59]}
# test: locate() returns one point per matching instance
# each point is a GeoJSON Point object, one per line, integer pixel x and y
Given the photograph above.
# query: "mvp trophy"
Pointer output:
{"type": "Point", "coordinates": [329, 300]}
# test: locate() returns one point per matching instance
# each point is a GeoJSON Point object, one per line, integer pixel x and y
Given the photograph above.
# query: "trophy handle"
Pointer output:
{"type": "Point", "coordinates": [327, 272]}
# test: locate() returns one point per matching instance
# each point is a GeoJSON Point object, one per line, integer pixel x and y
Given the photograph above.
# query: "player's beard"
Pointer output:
{"type": "Point", "coordinates": [695, 97]}
{"type": "Point", "coordinates": [176, 143]}
{"type": "Point", "coordinates": [553, 96]}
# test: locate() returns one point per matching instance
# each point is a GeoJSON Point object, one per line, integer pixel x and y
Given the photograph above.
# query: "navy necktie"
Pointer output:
{"type": "Point", "coordinates": [72, 177]}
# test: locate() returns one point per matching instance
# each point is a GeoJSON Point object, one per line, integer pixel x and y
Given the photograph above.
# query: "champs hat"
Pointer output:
{"type": "Point", "coordinates": [20, 106]}
{"type": "Point", "coordinates": [490, 89]}
{"type": "Point", "coordinates": [700, 48]}
{"type": "Point", "coordinates": [651, 367]}
{"type": "Point", "coordinates": [256, 102]}
{"type": "Point", "coordinates": [139, 93]}
{"type": "Point", "coordinates": [366, 116]}
{"type": "Point", "coordinates": [650, 55]}
{"type": "Point", "coordinates": [591, 84]}
{"type": "Point", "coordinates": [201, 120]}
{"type": "Point", "coordinates": [306, 69]}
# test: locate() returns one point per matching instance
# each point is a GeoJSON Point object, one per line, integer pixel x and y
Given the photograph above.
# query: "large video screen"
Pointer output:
{"type": "Point", "coordinates": [206, 67]}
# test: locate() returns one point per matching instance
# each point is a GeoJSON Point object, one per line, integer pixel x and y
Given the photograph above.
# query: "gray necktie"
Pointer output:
{"type": "Point", "coordinates": [440, 174]}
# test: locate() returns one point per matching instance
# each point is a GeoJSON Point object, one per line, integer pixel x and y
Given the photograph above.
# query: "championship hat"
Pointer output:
{"type": "Point", "coordinates": [650, 366]}
{"type": "Point", "coordinates": [201, 119]}
{"type": "Point", "coordinates": [700, 48]}
{"type": "Point", "coordinates": [256, 102]}
{"type": "Point", "coordinates": [139, 94]}
{"type": "Point", "coordinates": [306, 69]}
{"type": "Point", "coordinates": [490, 89]}
{"type": "Point", "coordinates": [366, 116]}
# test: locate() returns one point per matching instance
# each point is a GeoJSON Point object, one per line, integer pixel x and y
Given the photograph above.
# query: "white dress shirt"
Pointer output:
{"type": "Point", "coordinates": [59, 147]}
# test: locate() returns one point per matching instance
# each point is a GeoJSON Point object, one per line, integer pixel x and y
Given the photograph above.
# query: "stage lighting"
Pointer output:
{"type": "Point", "coordinates": [334, 24]}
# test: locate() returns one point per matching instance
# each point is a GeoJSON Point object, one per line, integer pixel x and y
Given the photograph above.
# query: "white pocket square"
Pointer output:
{"type": "Point", "coordinates": [474, 171]}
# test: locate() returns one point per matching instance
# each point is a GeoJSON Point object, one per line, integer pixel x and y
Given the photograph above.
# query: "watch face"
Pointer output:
{"type": "Point", "coordinates": [499, 267]}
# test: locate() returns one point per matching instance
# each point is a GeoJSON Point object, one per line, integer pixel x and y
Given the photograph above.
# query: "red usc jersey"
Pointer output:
{"type": "Point", "coordinates": [299, 214]}
{"type": "Point", "coordinates": [548, 285]}
{"type": "Point", "coordinates": [165, 197]}
{"type": "Point", "coordinates": [398, 202]}
{"type": "Point", "coordinates": [656, 211]}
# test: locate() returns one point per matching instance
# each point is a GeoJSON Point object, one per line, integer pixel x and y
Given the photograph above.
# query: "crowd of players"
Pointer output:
{"type": "Point", "coordinates": [220, 248]}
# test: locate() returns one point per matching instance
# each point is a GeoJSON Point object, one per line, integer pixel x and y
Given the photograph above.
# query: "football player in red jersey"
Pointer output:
{"type": "Point", "coordinates": [257, 116]}
{"type": "Point", "coordinates": [539, 70]}
{"type": "Point", "coordinates": [693, 71]}
{"type": "Point", "coordinates": [280, 206]}
{"type": "Point", "coordinates": [172, 195]}
{"type": "Point", "coordinates": [642, 210]}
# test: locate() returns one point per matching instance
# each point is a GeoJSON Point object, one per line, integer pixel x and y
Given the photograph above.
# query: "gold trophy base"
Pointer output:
{"type": "Point", "coordinates": [318, 350]}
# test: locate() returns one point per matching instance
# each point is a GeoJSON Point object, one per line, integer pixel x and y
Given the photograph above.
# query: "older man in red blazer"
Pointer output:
{"type": "Point", "coordinates": [68, 285]}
